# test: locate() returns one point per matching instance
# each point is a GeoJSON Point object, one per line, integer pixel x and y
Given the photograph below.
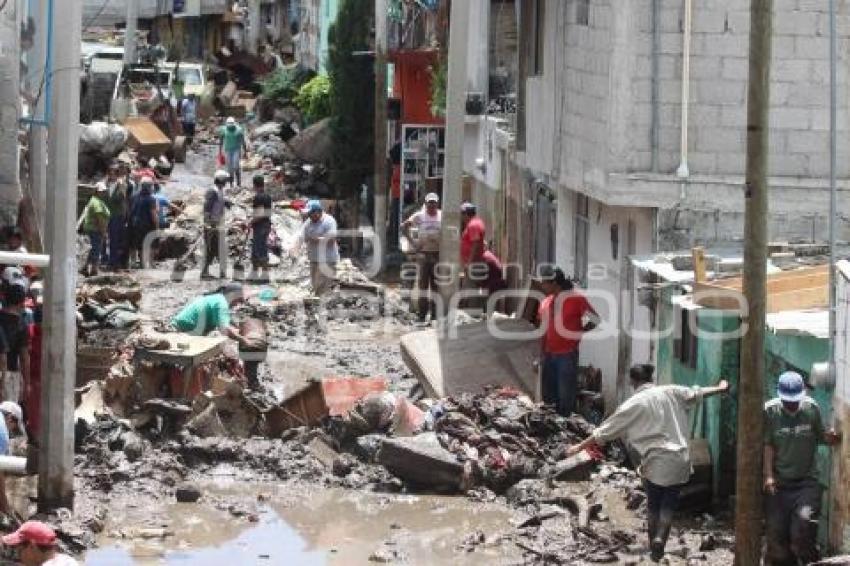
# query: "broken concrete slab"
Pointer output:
{"type": "Point", "coordinates": [474, 357]}
{"type": "Point", "coordinates": [323, 452]}
{"type": "Point", "coordinates": [574, 468]}
{"type": "Point", "coordinates": [423, 462]}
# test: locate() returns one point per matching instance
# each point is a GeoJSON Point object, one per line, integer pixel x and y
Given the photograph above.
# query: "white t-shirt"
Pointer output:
{"type": "Point", "coordinates": [428, 227]}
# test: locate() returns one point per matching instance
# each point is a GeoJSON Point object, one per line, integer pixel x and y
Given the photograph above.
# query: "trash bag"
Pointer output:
{"type": "Point", "coordinates": [100, 138]}
{"type": "Point", "coordinates": [220, 160]}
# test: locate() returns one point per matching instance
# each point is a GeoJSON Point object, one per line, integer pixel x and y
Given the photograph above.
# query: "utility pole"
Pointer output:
{"type": "Point", "coordinates": [38, 87]}
{"type": "Point", "coordinates": [130, 31]}
{"type": "Point", "coordinates": [56, 461]}
{"type": "Point", "coordinates": [453, 174]}
{"type": "Point", "coordinates": [254, 25]}
{"type": "Point", "coordinates": [380, 182]}
{"type": "Point", "coordinates": [748, 503]}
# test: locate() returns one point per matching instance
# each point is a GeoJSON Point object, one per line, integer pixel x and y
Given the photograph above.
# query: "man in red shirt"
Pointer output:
{"type": "Point", "coordinates": [472, 238]}
{"type": "Point", "coordinates": [562, 315]}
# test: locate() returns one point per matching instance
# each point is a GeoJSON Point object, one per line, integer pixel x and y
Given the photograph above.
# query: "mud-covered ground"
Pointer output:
{"type": "Point", "coordinates": [272, 501]}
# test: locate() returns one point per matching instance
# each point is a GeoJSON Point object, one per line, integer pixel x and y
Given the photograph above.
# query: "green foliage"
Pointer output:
{"type": "Point", "coordinates": [283, 85]}
{"type": "Point", "coordinates": [314, 98]}
{"type": "Point", "coordinates": [439, 81]}
{"type": "Point", "coordinates": [352, 78]}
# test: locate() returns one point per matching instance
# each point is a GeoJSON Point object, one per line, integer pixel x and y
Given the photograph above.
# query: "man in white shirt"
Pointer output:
{"type": "Point", "coordinates": [427, 224]}
{"type": "Point", "coordinates": [655, 423]}
{"type": "Point", "coordinates": [319, 234]}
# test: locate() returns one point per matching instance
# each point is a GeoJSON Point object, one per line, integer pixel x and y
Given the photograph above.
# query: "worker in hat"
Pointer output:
{"type": "Point", "coordinates": [13, 418]}
{"type": "Point", "coordinates": [655, 423]}
{"type": "Point", "coordinates": [96, 226]}
{"type": "Point", "coordinates": [215, 233]}
{"type": "Point", "coordinates": [318, 233]}
{"type": "Point", "coordinates": [793, 429]}
{"type": "Point", "coordinates": [423, 229]}
{"type": "Point", "coordinates": [118, 200]}
{"type": "Point", "coordinates": [261, 227]}
{"type": "Point", "coordinates": [231, 142]}
{"type": "Point", "coordinates": [37, 545]}
{"type": "Point", "coordinates": [144, 219]}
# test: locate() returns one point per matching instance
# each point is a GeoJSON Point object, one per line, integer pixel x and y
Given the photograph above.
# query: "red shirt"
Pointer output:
{"type": "Point", "coordinates": [563, 333]}
{"type": "Point", "coordinates": [473, 233]}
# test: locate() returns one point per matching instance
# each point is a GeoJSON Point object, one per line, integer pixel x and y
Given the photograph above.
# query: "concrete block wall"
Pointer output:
{"type": "Point", "coordinates": [10, 189]}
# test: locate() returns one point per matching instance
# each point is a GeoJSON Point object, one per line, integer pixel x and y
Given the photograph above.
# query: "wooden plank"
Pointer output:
{"type": "Point", "coordinates": [200, 349]}
{"type": "Point", "coordinates": [698, 254]}
{"type": "Point", "coordinates": [473, 359]}
{"type": "Point", "coordinates": [146, 137]}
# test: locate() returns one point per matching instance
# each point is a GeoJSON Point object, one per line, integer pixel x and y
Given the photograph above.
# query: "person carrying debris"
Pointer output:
{"type": "Point", "coordinates": [215, 239]}
{"type": "Point", "coordinates": [144, 219]}
{"type": "Point", "coordinates": [211, 312]}
{"type": "Point", "coordinates": [319, 234]}
{"type": "Point", "coordinates": [427, 224]}
{"type": "Point", "coordinates": [37, 545]}
{"type": "Point", "coordinates": [96, 225]}
{"type": "Point", "coordinates": [655, 423]}
{"type": "Point", "coordinates": [189, 117]}
{"type": "Point", "coordinates": [793, 429]}
{"type": "Point", "coordinates": [231, 142]}
{"type": "Point", "coordinates": [118, 201]}
{"type": "Point", "coordinates": [15, 334]}
{"type": "Point", "coordinates": [261, 226]}
{"type": "Point", "coordinates": [562, 314]}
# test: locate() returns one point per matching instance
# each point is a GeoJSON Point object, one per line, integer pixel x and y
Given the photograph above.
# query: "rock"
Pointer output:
{"type": "Point", "coordinates": [342, 466]}
{"type": "Point", "coordinates": [422, 461]}
{"type": "Point", "coordinates": [528, 491]}
{"type": "Point", "coordinates": [267, 129]}
{"type": "Point", "coordinates": [635, 500]}
{"type": "Point", "coordinates": [134, 446]}
{"type": "Point", "coordinates": [323, 452]}
{"type": "Point", "coordinates": [708, 543]}
{"type": "Point", "coordinates": [366, 447]}
{"type": "Point", "coordinates": [187, 493]}
{"type": "Point", "coordinates": [207, 423]}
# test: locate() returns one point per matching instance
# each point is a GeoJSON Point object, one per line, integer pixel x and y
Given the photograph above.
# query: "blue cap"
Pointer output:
{"type": "Point", "coordinates": [314, 206]}
{"type": "Point", "coordinates": [791, 387]}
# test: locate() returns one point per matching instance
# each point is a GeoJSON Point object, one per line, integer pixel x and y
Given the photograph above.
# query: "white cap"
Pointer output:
{"type": "Point", "coordinates": [101, 187]}
{"type": "Point", "coordinates": [230, 120]}
{"type": "Point", "coordinates": [13, 275]}
{"type": "Point", "coordinates": [12, 408]}
{"type": "Point", "coordinates": [221, 175]}
{"type": "Point", "coordinates": [152, 162]}
{"type": "Point", "coordinates": [432, 197]}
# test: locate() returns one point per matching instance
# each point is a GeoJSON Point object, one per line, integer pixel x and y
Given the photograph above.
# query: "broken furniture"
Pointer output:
{"type": "Point", "coordinates": [187, 352]}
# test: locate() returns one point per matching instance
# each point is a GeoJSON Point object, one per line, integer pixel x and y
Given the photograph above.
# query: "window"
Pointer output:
{"type": "Point", "coordinates": [685, 342]}
{"type": "Point", "coordinates": [582, 12]}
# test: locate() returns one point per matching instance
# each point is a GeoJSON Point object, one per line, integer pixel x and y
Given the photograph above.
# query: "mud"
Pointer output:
{"type": "Point", "coordinates": [272, 501]}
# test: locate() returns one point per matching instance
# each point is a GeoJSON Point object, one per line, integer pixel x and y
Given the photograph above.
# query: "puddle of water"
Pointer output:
{"type": "Point", "coordinates": [332, 527]}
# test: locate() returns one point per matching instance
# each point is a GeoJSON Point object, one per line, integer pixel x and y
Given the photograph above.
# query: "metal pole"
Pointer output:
{"type": "Point", "coordinates": [380, 188]}
{"type": "Point", "coordinates": [748, 504]}
{"type": "Point", "coordinates": [39, 84]}
{"type": "Point", "coordinates": [833, 164]}
{"type": "Point", "coordinates": [130, 31]}
{"type": "Point", "coordinates": [455, 123]}
{"type": "Point", "coordinates": [56, 461]}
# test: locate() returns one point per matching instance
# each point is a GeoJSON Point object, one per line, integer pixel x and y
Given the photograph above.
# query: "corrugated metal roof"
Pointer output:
{"type": "Point", "coordinates": [813, 323]}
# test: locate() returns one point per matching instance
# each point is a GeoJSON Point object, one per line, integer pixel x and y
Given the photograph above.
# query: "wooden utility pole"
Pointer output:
{"type": "Point", "coordinates": [56, 459]}
{"type": "Point", "coordinates": [130, 31]}
{"type": "Point", "coordinates": [380, 182]}
{"type": "Point", "coordinates": [455, 121]}
{"type": "Point", "coordinates": [748, 504]}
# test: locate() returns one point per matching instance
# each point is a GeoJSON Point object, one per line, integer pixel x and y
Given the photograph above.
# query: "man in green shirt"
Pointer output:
{"type": "Point", "coordinates": [232, 142]}
{"type": "Point", "coordinates": [95, 224]}
{"type": "Point", "coordinates": [793, 429]}
{"type": "Point", "coordinates": [211, 312]}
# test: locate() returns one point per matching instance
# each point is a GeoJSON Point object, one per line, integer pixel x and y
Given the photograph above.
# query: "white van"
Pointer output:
{"type": "Point", "coordinates": [191, 74]}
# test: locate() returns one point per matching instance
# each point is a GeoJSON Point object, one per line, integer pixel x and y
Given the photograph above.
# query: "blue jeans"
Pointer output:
{"type": "Point", "coordinates": [96, 241]}
{"type": "Point", "coordinates": [234, 168]}
{"type": "Point", "coordinates": [260, 245]}
{"type": "Point", "coordinates": [560, 381]}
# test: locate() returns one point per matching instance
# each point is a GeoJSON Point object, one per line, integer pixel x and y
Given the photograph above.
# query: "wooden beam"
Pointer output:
{"type": "Point", "coordinates": [698, 255]}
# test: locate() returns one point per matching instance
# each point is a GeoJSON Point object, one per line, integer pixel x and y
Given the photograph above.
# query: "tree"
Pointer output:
{"type": "Point", "coordinates": [352, 77]}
